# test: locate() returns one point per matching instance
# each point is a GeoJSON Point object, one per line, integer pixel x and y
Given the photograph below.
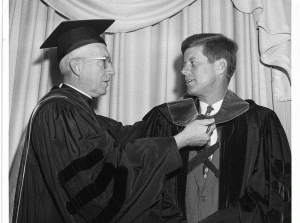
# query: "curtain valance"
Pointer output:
{"type": "Point", "coordinates": [129, 14]}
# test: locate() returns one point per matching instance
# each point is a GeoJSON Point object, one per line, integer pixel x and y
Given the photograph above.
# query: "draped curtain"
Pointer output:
{"type": "Point", "coordinates": [145, 46]}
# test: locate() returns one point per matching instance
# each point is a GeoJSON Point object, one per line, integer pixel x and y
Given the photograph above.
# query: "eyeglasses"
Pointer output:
{"type": "Point", "coordinates": [106, 60]}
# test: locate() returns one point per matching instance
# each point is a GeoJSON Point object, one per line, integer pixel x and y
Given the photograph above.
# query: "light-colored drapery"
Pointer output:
{"type": "Point", "coordinates": [148, 60]}
{"type": "Point", "coordinates": [129, 14]}
{"type": "Point", "coordinates": [274, 31]}
{"type": "Point", "coordinates": [270, 18]}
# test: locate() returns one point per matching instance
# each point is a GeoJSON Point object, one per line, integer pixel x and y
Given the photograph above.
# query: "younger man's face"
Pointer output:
{"type": "Point", "coordinates": [200, 74]}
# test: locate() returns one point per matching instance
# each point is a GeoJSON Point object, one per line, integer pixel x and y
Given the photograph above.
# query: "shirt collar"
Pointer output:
{"type": "Point", "coordinates": [82, 95]}
{"type": "Point", "coordinates": [75, 89]}
{"type": "Point", "coordinates": [216, 106]}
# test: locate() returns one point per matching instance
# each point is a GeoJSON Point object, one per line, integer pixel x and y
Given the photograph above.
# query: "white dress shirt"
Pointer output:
{"type": "Point", "coordinates": [216, 106]}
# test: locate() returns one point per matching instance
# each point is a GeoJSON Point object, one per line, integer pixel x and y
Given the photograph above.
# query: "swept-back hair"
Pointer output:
{"type": "Point", "coordinates": [215, 46]}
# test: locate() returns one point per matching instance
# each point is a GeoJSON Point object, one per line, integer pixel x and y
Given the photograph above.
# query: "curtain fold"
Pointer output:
{"type": "Point", "coordinates": [129, 14]}
{"type": "Point", "coordinates": [272, 22]}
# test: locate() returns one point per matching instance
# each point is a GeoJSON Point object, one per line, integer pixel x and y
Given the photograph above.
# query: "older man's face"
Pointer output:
{"type": "Point", "coordinates": [200, 74]}
{"type": "Point", "coordinates": [96, 73]}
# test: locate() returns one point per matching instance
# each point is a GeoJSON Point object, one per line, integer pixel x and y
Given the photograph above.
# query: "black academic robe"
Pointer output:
{"type": "Point", "coordinates": [73, 170]}
{"type": "Point", "coordinates": [255, 161]}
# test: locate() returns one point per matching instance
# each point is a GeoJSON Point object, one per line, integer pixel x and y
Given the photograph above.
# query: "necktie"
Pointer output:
{"type": "Point", "coordinates": [209, 109]}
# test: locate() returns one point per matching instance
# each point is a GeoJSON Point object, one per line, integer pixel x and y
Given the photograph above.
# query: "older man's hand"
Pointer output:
{"type": "Point", "coordinates": [196, 133]}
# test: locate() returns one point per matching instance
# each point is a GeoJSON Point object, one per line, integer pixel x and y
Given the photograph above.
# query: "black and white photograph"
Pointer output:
{"type": "Point", "coordinates": [148, 111]}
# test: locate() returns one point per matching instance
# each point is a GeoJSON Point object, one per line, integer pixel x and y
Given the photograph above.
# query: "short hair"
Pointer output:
{"type": "Point", "coordinates": [64, 63]}
{"type": "Point", "coordinates": [215, 46]}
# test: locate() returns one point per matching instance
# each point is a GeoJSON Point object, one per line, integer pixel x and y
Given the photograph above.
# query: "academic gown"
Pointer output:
{"type": "Point", "coordinates": [255, 161]}
{"type": "Point", "coordinates": [74, 170]}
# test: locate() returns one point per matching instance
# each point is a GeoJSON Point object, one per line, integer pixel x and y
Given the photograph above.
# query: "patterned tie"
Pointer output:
{"type": "Point", "coordinates": [209, 109]}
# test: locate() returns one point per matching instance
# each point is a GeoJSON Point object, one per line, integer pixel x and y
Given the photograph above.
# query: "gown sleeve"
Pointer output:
{"type": "Point", "coordinates": [267, 195]}
{"type": "Point", "coordinates": [154, 120]}
{"type": "Point", "coordinates": [89, 175]}
{"type": "Point", "coordinates": [121, 133]}
{"type": "Point", "coordinates": [158, 123]}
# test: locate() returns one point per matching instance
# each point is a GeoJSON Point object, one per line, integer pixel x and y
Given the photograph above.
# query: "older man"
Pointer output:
{"type": "Point", "coordinates": [72, 169]}
{"type": "Point", "coordinates": [243, 174]}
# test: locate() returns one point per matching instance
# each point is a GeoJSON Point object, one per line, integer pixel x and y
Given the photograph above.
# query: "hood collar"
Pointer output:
{"type": "Point", "coordinates": [184, 110]}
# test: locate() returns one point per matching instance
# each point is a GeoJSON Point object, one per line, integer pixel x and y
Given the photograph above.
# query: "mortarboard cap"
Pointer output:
{"type": "Point", "coordinates": [70, 35]}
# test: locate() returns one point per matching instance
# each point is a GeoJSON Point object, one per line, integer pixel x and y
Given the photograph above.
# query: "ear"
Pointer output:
{"type": "Point", "coordinates": [220, 66]}
{"type": "Point", "coordinates": [76, 66]}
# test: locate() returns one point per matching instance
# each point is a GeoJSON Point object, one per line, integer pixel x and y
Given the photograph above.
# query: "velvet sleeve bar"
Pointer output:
{"type": "Point", "coordinates": [77, 172]}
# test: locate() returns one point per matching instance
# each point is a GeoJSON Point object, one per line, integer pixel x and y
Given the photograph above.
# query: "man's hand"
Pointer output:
{"type": "Point", "coordinates": [195, 133]}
